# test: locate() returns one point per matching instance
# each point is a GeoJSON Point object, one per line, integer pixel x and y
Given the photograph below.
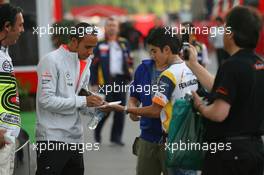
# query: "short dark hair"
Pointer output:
{"type": "Point", "coordinates": [245, 23]}
{"type": "Point", "coordinates": [189, 26]}
{"type": "Point", "coordinates": [8, 14]}
{"type": "Point", "coordinates": [160, 37]}
{"type": "Point", "coordinates": [219, 19]}
{"type": "Point", "coordinates": [86, 30]}
{"type": "Point", "coordinates": [111, 19]}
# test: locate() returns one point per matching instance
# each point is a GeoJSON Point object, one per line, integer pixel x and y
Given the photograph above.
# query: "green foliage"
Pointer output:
{"type": "Point", "coordinates": [158, 7]}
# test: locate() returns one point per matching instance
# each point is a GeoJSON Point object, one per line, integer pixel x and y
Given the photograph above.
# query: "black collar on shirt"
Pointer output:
{"type": "Point", "coordinates": [242, 51]}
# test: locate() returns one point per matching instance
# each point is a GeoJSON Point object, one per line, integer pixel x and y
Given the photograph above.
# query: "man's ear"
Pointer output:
{"type": "Point", "coordinates": [7, 26]}
{"type": "Point", "coordinates": [231, 37]}
{"type": "Point", "coordinates": [74, 42]}
{"type": "Point", "coordinates": [166, 49]}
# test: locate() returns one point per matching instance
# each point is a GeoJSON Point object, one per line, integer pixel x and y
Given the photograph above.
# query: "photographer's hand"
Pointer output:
{"type": "Point", "coordinates": [217, 111]}
{"type": "Point", "coordinates": [193, 60]}
{"type": "Point", "coordinates": [198, 103]}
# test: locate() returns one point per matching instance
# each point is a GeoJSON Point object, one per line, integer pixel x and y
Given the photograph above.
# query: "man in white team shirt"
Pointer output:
{"type": "Point", "coordinates": [11, 26]}
{"type": "Point", "coordinates": [173, 83]}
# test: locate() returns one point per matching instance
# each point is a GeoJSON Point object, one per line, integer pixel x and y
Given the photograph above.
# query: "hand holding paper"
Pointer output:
{"type": "Point", "coordinates": [112, 106]}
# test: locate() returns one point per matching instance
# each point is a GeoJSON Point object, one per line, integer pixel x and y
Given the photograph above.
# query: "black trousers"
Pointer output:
{"type": "Point", "coordinates": [119, 117]}
{"type": "Point", "coordinates": [245, 158]}
{"type": "Point", "coordinates": [61, 161]}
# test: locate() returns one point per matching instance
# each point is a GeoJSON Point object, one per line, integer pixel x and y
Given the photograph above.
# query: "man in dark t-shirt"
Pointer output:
{"type": "Point", "coordinates": [235, 114]}
{"type": "Point", "coordinates": [240, 83]}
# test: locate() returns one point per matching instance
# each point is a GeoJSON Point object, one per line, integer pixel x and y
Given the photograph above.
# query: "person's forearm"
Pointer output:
{"type": "Point", "coordinates": [208, 113]}
{"type": "Point", "coordinates": [213, 113]}
{"type": "Point", "coordinates": [148, 111]}
{"type": "Point", "coordinates": [133, 102]}
{"type": "Point", "coordinates": [204, 77]}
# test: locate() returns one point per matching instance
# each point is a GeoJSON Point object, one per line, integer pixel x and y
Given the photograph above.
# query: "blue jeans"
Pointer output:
{"type": "Point", "coordinates": [177, 171]}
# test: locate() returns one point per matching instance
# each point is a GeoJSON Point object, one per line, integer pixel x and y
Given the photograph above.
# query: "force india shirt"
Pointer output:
{"type": "Point", "coordinates": [173, 84]}
{"type": "Point", "coordinates": [9, 104]}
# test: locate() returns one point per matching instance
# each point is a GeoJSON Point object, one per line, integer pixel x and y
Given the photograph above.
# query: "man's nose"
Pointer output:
{"type": "Point", "coordinates": [90, 51]}
{"type": "Point", "coordinates": [22, 29]}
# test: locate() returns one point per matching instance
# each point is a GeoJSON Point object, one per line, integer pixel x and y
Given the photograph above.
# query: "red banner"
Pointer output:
{"type": "Point", "coordinates": [58, 12]}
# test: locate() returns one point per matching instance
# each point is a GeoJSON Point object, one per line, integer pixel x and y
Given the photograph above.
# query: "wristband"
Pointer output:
{"type": "Point", "coordinates": [125, 110]}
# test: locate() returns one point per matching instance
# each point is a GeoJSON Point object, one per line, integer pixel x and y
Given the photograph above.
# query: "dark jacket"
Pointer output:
{"type": "Point", "coordinates": [100, 68]}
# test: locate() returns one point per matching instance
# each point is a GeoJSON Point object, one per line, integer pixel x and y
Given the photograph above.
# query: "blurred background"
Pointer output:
{"type": "Point", "coordinates": [137, 18]}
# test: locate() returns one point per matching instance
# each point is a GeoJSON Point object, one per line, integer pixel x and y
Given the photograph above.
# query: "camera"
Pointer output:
{"type": "Point", "coordinates": [185, 46]}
